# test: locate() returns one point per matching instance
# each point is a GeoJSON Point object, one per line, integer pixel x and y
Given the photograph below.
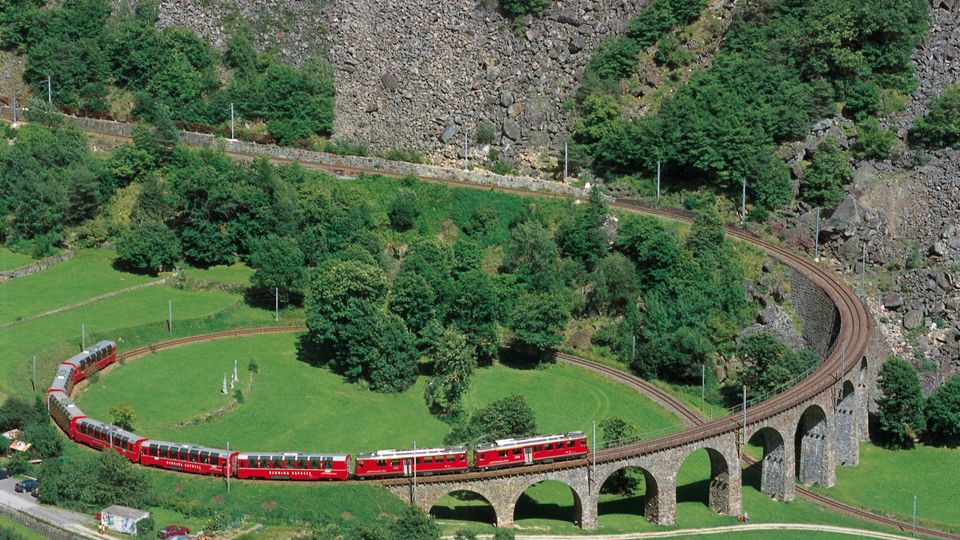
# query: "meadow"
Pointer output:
{"type": "Point", "coordinates": [886, 481]}
{"type": "Point", "coordinates": [88, 274]}
{"type": "Point", "coordinates": [291, 405]}
{"type": "Point", "coordinates": [11, 259]}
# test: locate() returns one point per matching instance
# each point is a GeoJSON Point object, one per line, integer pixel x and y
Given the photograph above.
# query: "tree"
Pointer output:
{"type": "Point", "coordinates": [453, 364]}
{"type": "Point", "coordinates": [650, 246]}
{"type": "Point", "coordinates": [538, 321]}
{"type": "Point", "coordinates": [414, 523]}
{"type": "Point", "coordinates": [483, 221]}
{"type": "Point", "coordinates": [404, 210]}
{"type": "Point", "coordinates": [17, 413]}
{"type": "Point", "coordinates": [515, 8]}
{"type": "Point", "coordinates": [873, 140]}
{"type": "Point", "coordinates": [767, 364]}
{"type": "Point", "coordinates": [279, 264]}
{"type": "Point", "coordinates": [583, 237]}
{"type": "Point", "coordinates": [617, 431]}
{"type": "Point", "coordinates": [44, 438]}
{"type": "Point", "coordinates": [531, 254]}
{"type": "Point", "coordinates": [943, 413]}
{"type": "Point", "coordinates": [122, 415]}
{"type": "Point", "coordinates": [900, 413]}
{"type": "Point", "coordinates": [145, 527]}
{"type": "Point", "coordinates": [940, 127]}
{"type": "Point", "coordinates": [150, 248]}
{"type": "Point", "coordinates": [829, 170]}
{"type": "Point", "coordinates": [414, 300]}
{"type": "Point", "coordinates": [507, 417]}
{"type": "Point", "coordinates": [474, 310]}
{"type": "Point", "coordinates": [614, 283]}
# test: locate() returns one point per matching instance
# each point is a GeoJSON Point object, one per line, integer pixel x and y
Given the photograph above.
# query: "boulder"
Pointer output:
{"type": "Point", "coordinates": [893, 301]}
{"type": "Point", "coordinates": [913, 319]}
{"type": "Point", "coordinates": [449, 132]}
{"type": "Point", "coordinates": [569, 16]}
{"type": "Point", "coordinates": [389, 81]}
{"type": "Point", "coordinates": [506, 99]}
{"type": "Point", "coordinates": [511, 129]}
{"type": "Point", "coordinates": [576, 44]}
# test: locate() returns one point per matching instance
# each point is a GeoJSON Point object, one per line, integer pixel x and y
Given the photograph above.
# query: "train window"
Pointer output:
{"type": "Point", "coordinates": [194, 454]}
{"type": "Point", "coordinates": [517, 451]}
{"type": "Point", "coordinates": [503, 453]}
{"type": "Point", "coordinates": [328, 463]}
{"type": "Point", "coordinates": [538, 448]}
{"type": "Point", "coordinates": [451, 458]}
{"type": "Point", "coordinates": [290, 462]}
{"type": "Point", "coordinates": [394, 461]}
{"type": "Point", "coordinates": [381, 462]}
{"type": "Point", "coordinates": [549, 446]}
{"type": "Point", "coordinates": [302, 462]}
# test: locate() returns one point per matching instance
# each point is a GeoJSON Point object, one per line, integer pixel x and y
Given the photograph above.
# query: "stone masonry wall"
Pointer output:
{"type": "Point", "coordinates": [818, 315]}
{"type": "Point", "coordinates": [36, 266]}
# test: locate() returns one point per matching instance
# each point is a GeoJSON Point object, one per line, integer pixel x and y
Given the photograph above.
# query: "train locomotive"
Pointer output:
{"type": "Point", "coordinates": [293, 466]}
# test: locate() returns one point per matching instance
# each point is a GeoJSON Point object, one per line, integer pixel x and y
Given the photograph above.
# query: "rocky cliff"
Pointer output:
{"type": "Point", "coordinates": [423, 73]}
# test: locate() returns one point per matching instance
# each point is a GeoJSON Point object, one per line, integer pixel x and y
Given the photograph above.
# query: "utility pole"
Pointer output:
{"type": "Point", "coordinates": [413, 466]}
{"type": "Point", "coordinates": [703, 381]}
{"type": "Point", "coordinates": [34, 379]}
{"type": "Point", "coordinates": [816, 238]}
{"type": "Point", "coordinates": [743, 202]}
{"type": "Point", "coordinates": [49, 91]}
{"type": "Point", "coordinates": [593, 470]}
{"type": "Point", "coordinates": [863, 270]}
{"type": "Point", "coordinates": [83, 337]}
{"type": "Point", "coordinates": [744, 414]}
{"type": "Point", "coordinates": [232, 123]}
{"type": "Point", "coordinates": [13, 109]}
{"type": "Point", "coordinates": [276, 303]}
{"type": "Point", "coordinates": [914, 515]}
{"type": "Point", "coordinates": [170, 316]}
{"type": "Point", "coordinates": [658, 181]}
{"type": "Point", "coordinates": [633, 354]}
{"type": "Point", "coordinates": [466, 160]}
{"type": "Point", "coordinates": [566, 155]}
{"type": "Point", "coordinates": [228, 466]}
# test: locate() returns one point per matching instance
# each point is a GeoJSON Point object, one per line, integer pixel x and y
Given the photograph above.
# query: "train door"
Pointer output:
{"type": "Point", "coordinates": [408, 466]}
{"type": "Point", "coordinates": [528, 455]}
{"type": "Point", "coordinates": [327, 464]}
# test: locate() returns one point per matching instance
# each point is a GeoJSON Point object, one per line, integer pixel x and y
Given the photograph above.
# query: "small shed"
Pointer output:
{"type": "Point", "coordinates": [122, 519]}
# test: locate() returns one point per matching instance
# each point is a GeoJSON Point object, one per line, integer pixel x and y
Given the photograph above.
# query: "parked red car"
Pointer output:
{"type": "Point", "coordinates": [172, 530]}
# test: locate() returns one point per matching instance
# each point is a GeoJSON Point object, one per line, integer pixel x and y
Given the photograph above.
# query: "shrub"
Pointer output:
{"type": "Point", "coordinates": [515, 8]}
{"type": "Point", "coordinates": [145, 527]}
{"type": "Point", "coordinates": [829, 170]}
{"type": "Point", "coordinates": [940, 127]}
{"type": "Point", "coordinates": [943, 413]}
{"type": "Point", "coordinates": [149, 249]}
{"type": "Point", "coordinates": [404, 210]}
{"type": "Point", "coordinates": [486, 132]}
{"type": "Point", "coordinates": [863, 100]}
{"type": "Point", "coordinates": [900, 413]}
{"type": "Point", "coordinates": [873, 140]}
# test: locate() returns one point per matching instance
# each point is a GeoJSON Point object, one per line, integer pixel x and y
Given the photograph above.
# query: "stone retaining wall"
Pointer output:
{"type": "Point", "coordinates": [34, 267]}
{"type": "Point", "coordinates": [818, 315]}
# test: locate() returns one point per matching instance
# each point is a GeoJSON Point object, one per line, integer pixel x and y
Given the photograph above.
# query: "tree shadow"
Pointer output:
{"type": "Point", "coordinates": [310, 352]}
{"type": "Point", "coordinates": [521, 358]}
{"type": "Point", "coordinates": [529, 508]}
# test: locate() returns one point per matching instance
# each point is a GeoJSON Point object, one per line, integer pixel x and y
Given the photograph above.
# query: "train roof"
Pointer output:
{"type": "Point", "coordinates": [64, 400]}
{"type": "Point", "coordinates": [62, 377]}
{"type": "Point", "coordinates": [220, 451]}
{"type": "Point", "coordinates": [112, 428]}
{"type": "Point", "coordinates": [96, 347]}
{"type": "Point", "coordinates": [523, 441]}
{"type": "Point", "coordinates": [340, 457]}
{"type": "Point", "coordinates": [390, 454]}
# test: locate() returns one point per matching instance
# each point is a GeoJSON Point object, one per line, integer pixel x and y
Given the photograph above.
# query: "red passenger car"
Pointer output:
{"type": "Point", "coordinates": [292, 466]}
{"type": "Point", "coordinates": [92, 360]}
{"type": "Point", "coordinates": [529, 450]}
{"type": "Point", "coordinates": [186, 457]}
{"type": "Point", "coordinates": [99, 435]}
{"type": "Point", "coordinates": [424, 462]}
{"type": "Point", "coordinates": [64, 412]}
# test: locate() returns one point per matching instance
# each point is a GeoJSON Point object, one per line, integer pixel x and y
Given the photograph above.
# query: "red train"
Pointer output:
{"type": "Point", "coordinates": [92, 360]}
{"type": "Point", "coordinates": [428, 461]}
{"type": "Point", "coordinates": [284, 465]}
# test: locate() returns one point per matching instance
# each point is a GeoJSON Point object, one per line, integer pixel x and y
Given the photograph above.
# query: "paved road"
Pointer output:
{"type": "Point", "coordinates": [64, 519]}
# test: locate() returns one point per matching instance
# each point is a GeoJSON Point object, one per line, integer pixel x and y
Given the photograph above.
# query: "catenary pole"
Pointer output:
{"type": "Point", "coordinates": [228, 466]}
{"type": "Point", "coordinates": [466, 158]}
{"type": "Point", "coordinates": [13, 109]}
{"type": "Point", "coordinates": [863, 269]}
{"type": "Point", "coordinates": [413, 466]}
{"type": "Point", "coordinates": [232, 123]}
{"type": "Point", "coordinates": [170, 316]}
{"type": "Point", "coordinates": [658, 181]}
{"type": "Point", "coordinates": [83, 336]}
{"type": "Point", "coordinates": [703, 382]}
{"type": "Point", "coordinates": [816, 238]}
{"type": "Point", "coordinates": [744, 413]}
{"type": "Point", "coordinates": [276, 303]}
{"type": "Point", "coordinates": [743, 202]}
{"type": "Point", "coordinates": [34, 379]}
{"type": "Point", "coordinates": [593, 470]}
{"type": "Point", "coordinates": [914, 514]}
{"type": "Point", "coordinates": [566, 155]}
{"type": "Point", "coordinates": [49, 91]}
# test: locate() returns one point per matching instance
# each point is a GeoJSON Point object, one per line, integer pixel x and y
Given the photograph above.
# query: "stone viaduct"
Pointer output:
{"type": "Point", "coordinates": [805, 431]}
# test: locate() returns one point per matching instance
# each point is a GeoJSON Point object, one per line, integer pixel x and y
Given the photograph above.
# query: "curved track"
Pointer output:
{"type": "Point", "coordinates": [854, 334]}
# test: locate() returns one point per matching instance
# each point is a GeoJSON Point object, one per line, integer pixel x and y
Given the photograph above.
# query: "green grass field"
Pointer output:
{"type": "Point", "coordinates": [87, 275]}
{"type": "Point", "coordinates": [235, 274]}
{"type": "Point", "coordinates": [19, 343]}
{"type": "Point", "coordinates": [10, 260]}
{"type": "Point", "coordinates": [886, 481]}
{"type": "Point", "coordinates": [24, 532]}
{"type": "Point", "coordinates": [311, 414]}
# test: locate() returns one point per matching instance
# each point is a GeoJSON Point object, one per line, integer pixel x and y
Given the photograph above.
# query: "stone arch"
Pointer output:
{"type": "Point", "coordinates": [651, 496]}
{"type": "Point", "coordinates": [776, 476]}
{"type": "Point", "coordinates": [846, 425]}
{"type": "Point", "coordinates": [517, 503]}
{"type": "Point", "coordinates": [466, 512]}
{"type": "Point", "coordinates": [718, 491]}
{"type": "Point", "coordinates": [812, 448]}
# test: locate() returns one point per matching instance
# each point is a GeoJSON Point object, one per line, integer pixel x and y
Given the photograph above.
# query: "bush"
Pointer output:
{"type": "Point", "coordinates": [900, 413]}
{"type": "Point", "coordinates": [940, 127]}
{"type": "Point", "coordinates": [507, 417]}
{"type": "Point", "coordinates": [943, 413]}
{"type": "Point", "coordinates": [873, 140]}
{"type": "Point", "coordinates": [145, 527]}
{"type": "Point", "coordinates": [486, 132]}
{"type": "Point", "coordinates": [829, 170]}
{"type": "Point", "coordinates": [404, 210]}
{"type": "Point", "coordinates": [148, 249]}
{"type": "Point", "coordinates": [863, 100]}
{"type": "Point", "coordinates": [515, 8]}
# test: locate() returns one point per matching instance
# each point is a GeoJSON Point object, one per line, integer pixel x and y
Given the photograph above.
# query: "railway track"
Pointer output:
{"type": "Point", "coordinates": [853, 332]}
